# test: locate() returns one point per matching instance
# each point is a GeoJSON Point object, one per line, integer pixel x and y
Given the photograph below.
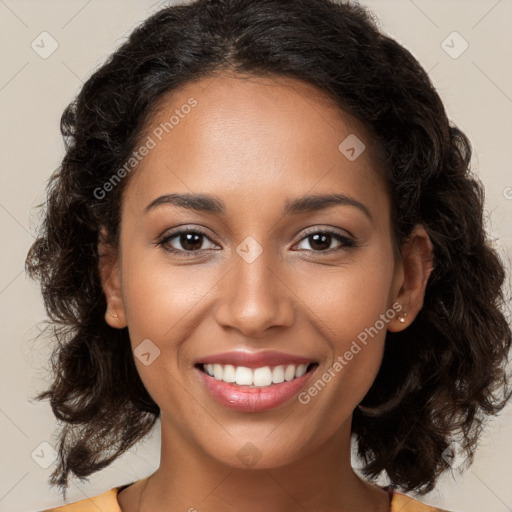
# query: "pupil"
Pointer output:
{"type": "Point", "coordinates": [187, 241]}
{"type": "Point", "coordinates": [322, 241]}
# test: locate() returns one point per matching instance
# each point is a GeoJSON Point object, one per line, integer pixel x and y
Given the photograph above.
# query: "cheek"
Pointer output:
{"type": "Point", "coordinates": [161, 303]}
{"type": "Point", "coordinates": [349, 299]}
{"type": "Point", "coordinates": [351, 310]}
{"type": "Point", "coordinates": [159, 298]}
{"type": "Point", "coordinates": [356, 337]}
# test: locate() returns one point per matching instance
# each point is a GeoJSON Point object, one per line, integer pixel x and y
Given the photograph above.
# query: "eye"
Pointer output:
{"type": "Point", "coordinates": [188, 241]}
{"type": "Point", "coordinates": [321, 240]}
{"type": "Point", "coordinates": [185, 241]}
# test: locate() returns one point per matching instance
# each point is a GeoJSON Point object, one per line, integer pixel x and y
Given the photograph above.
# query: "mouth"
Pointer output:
{"type": "Point", "coordinates": [259, 377]}
{"type": "Point", "coordinates": [254, 386]}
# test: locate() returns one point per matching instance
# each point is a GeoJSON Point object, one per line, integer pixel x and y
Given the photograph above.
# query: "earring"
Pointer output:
{"type": "Point", "coordinates": [114, 315]}
{"type": "Point", "coordinates": [402, 318]}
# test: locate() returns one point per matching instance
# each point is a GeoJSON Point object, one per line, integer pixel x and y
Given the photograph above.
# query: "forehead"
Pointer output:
{"type": "Point", "coordinates": [265, 139]}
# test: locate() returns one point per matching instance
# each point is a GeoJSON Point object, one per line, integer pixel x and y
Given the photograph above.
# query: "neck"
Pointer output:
{"type": "Point", "coordinates": [321, 480]}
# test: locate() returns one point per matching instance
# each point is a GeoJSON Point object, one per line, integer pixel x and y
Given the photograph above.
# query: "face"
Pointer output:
{"type": "Point", "coordinates": [255, 267]}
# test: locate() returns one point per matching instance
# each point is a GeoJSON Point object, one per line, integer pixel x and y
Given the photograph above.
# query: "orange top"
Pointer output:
{"type": "Point", "coordinates": [107, 502]}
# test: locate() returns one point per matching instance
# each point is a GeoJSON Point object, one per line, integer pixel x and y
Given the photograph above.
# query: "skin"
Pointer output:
{"type": "Point", "coordinates": [254, 143]}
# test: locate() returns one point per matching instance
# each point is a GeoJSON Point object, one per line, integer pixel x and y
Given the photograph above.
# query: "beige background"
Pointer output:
{"type": "Point", "coordinates": [476, 88]}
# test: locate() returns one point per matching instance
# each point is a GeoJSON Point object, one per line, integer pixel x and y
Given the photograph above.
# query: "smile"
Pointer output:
{"type": "Point", "coordinates": [254, 382]}
{"type": "Point", "coordinates": [256, 377]}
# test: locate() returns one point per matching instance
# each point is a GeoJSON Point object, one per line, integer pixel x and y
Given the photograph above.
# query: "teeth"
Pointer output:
{"type": "Point", "coordinates": [262, 376]}
{"type": "Point", "coordinates": [228, 373]}
{"type": "Point", "coordinates": [289, 373]}
{"type": "Point", "coordinates": [278, 375]}
{"type": "Point", "coordinates": [243, 376]}
{"type": "Point", "coordinates": [217, 371]}
{"type": "Point", "coordinates": [257, 377]}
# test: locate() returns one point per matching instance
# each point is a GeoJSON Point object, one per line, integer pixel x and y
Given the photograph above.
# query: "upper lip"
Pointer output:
{"type": "Point", "coordinates": [255, 359]}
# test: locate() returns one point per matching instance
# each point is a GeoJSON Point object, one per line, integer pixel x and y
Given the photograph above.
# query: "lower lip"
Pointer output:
{"type": "Point", "coordinates": [257, 399]}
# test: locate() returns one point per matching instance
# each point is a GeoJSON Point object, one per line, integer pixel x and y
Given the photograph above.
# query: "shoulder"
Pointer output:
{"type": "Point", "coordinates": [403, 503]}
{"type": "Point", "coordinates": [106, 502]}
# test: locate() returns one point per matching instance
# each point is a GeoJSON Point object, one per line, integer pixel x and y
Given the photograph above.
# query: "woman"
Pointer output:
{"type": "Point", "coordinates": [265, 233]}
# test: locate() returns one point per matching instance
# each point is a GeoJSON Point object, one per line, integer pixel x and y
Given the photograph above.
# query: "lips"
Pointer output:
{"type": "Point", "coordinates": [253, 399]}
{"type": "Point", "coordinates": [260, 397]}
{"type": "Point", "coordinates": [255, 359]}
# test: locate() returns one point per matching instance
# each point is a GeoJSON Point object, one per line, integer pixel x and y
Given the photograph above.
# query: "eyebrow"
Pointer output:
{"type": "Point", "coordinates": [212, 204]}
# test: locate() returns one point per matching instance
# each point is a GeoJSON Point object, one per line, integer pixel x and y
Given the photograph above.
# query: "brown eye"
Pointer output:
{"type": "Point", "coordinates": [185, 241]}
{"type": "Point", "coordinates": [321, 241]}
{"type": "Point", "coordinates": [190, 241]}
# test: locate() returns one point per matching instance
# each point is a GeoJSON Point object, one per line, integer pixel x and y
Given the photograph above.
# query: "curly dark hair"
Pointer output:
{"type": "Point", "coordinates": [439, 379]}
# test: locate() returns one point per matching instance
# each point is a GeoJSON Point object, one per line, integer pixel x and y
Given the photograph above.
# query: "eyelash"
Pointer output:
{"type": "Point", "coordinates": [345, 241]}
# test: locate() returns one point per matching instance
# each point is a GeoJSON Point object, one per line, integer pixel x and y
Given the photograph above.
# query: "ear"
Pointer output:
{"type": "Point", "coordinates": [110, 276]}
{"type": "Point", "coordinates": [412, 272]}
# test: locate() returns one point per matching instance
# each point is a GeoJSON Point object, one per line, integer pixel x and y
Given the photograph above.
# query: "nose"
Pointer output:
{"type": "Point", "coordinates": [255, 296]}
